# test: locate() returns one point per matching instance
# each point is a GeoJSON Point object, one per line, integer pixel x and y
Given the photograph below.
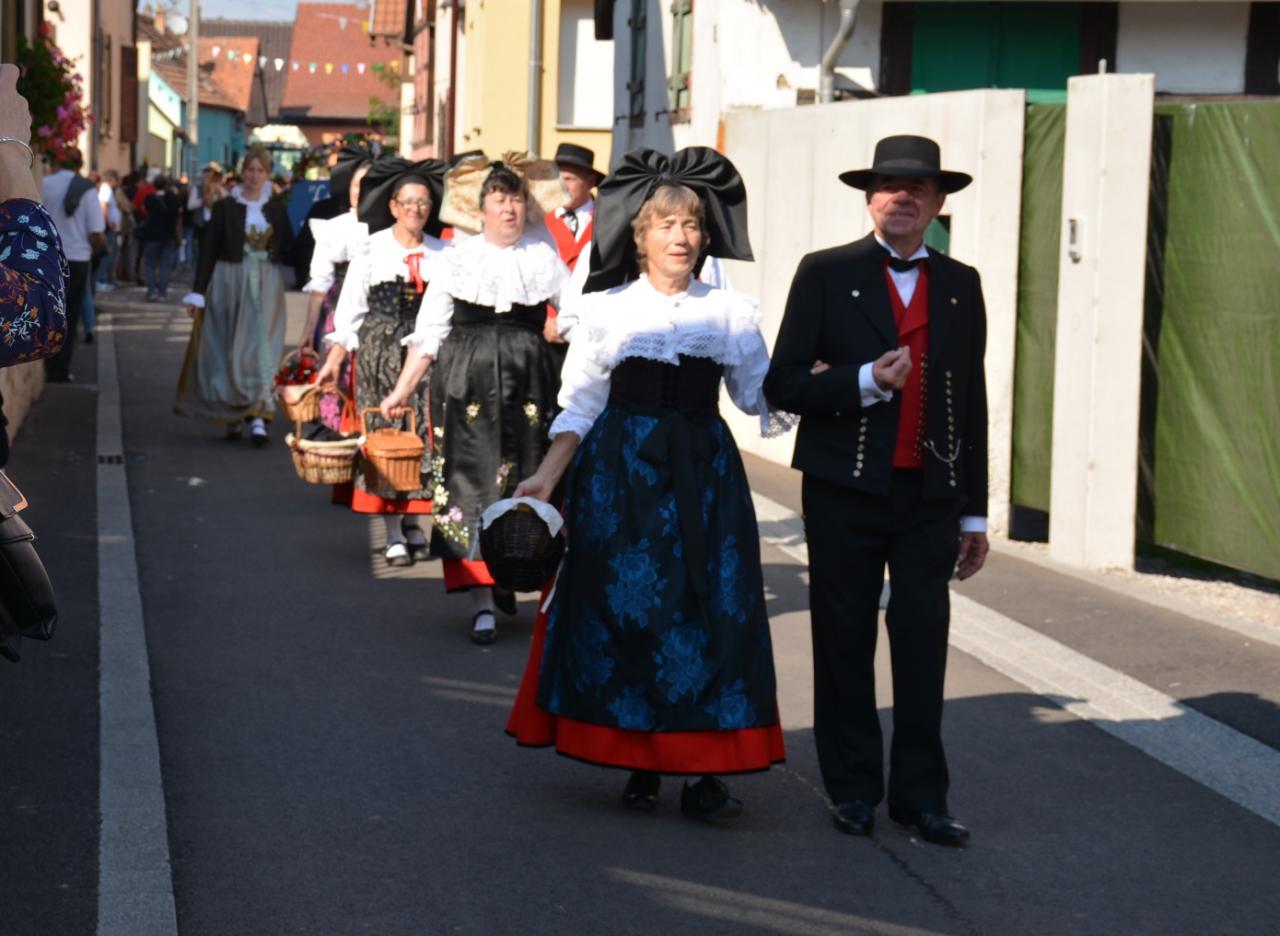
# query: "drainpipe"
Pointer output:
{"type": "Point", "coordinates": [827, 73]}
{"type": "Point", "coordinates": [535, 78]}
{"type": "Point", "coordinates": [455, 26]}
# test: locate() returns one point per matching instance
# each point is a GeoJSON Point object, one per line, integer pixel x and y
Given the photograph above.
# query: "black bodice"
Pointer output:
{"type": "Point", "coordinates": [692, 386]}
{"type": "Point", "coordinates": [469, 314]}
{"type": "Point", "coordinates": [395, 299]}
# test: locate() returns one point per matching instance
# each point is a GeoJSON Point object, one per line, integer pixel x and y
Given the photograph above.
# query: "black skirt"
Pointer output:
{"type": "Point", "coordinates": [492, 399]}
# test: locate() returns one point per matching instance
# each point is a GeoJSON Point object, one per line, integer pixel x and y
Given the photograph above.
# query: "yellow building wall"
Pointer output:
{"type": "Point", "coordinates": [496, 93]}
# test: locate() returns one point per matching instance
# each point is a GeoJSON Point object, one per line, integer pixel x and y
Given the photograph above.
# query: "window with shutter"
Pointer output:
{"type": "Point", "coordinates": [635, 87]}
{"type": "Point", "coordinates": [681, 55]}
{"type": "Point", "coordinates": [128, 94]}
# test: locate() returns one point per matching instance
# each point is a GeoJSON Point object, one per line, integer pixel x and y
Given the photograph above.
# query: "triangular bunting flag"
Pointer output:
{"type": "Point", "coordinates": [262, 61]}
{"type": "Point", "coordinates": [216, 50]}
{"type": "Point", "coordinates": [311, 67]}
{"type": "Point", "coordinates": [346, 69]}
{"type": "Point", "coordinates": [328, 68]}
{"type": "Point", "coordinates": [279, 63]}
{"type": "Point", "coordinates": [395, 65]}
{"type": "Point", "coordinates": [231, 54]}
{"type": "Point", "coordinates": [360, 67]}
{"type": "Point", "coordinates": [377, 66]}
{"type": "Point", "coordinates": [342, 22]}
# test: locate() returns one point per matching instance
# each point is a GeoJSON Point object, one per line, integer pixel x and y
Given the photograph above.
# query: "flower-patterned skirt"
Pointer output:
{"type": "Point", "coordinates": [492, 398]}
{"type": "Point", "coordinates": [658, 622]}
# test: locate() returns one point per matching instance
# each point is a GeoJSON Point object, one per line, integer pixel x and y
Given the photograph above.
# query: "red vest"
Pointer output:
{"type": "Point", "coordinates": [571, 246]}
{"type": "Point", "coordinates": [913, 331]}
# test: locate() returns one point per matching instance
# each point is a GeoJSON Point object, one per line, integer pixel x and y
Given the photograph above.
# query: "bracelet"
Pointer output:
{"type": "Point", "coordinates": [31, 156]}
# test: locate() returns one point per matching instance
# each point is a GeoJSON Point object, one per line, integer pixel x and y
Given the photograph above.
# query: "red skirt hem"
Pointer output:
{"type": "Point", "coordinates": [462, 574]}
{"type": "Point", "coordinates": [362, 502]}
{"type": "Point", "coordinates": [743, 750]}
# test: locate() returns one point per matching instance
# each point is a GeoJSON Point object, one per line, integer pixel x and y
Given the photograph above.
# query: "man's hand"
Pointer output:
{"type": "Point", "coordinates": [973, 554]}
{"type": "Point", "coordinates": [890, 370]}
{"type": "Point", "coordinates": [819, 367]}
{"type": "Point", "coordinates": [551, 333]}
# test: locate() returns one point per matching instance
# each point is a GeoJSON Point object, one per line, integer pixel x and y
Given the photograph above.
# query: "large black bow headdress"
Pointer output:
{"type": "Point", "coordinates": [350, 158]}
{"type": "Point", "coordinates": [383, 178]}
{"type": "Point", "coordinates": [633, 182]}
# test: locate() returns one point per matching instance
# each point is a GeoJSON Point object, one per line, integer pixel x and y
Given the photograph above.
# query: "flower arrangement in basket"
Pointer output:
{"type": "Point", "coordinates": [296, 385]}
{"type": "Point", "coordinates": [329, 462]}
{"type": "Point", "coordinates": [392, 457]}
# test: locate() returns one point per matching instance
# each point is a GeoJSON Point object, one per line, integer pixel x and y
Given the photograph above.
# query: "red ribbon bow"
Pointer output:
{"type": "Point", "coordinates": [414, 260]}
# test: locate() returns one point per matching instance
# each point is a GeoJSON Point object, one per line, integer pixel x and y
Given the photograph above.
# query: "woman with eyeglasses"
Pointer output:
{"type": "Point", "coordinates": [479, 333]}
{"type": "Point", "coordinates": [375, 314]}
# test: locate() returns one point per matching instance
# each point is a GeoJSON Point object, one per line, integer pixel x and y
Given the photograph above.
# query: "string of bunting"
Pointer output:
{"type": "Point", "coordinates": [262, 62]}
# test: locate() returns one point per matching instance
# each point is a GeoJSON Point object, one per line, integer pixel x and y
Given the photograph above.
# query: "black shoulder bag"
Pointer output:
{"type": "Point", "coordinates": [28, 607]}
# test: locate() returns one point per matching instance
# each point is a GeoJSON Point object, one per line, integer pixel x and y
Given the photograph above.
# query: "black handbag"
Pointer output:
{"type": "Point", "coordinates": [28, 606]}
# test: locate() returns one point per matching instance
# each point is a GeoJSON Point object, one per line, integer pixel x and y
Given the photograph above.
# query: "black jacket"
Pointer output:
{"type": "Point", "coordinates": [839, 312]}
{"type": "Point", "coordinates": [223, 239]}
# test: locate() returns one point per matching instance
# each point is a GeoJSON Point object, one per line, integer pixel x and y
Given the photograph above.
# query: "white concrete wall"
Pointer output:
{"type": "Point", "coordinates": [790, 159]}
{"type": "Point", "coordinates": [1097, 367]}
{"type": "Point", "coordinates": [747, 55]}
{"type": "Point", "coordinates": [584, 91]}
{"type": "Point", "coordinates": [1191, 48]}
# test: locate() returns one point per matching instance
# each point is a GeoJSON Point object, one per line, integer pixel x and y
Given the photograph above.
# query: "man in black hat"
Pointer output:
{"type": "Point", "coordinates": [570, 226]}
{"type": "Point", "coordinates": [880, 352]}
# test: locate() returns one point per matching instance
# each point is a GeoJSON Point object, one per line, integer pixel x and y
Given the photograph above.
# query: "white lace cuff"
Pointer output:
{"type": "Point", "coordinates": [348, 339]}
{"type": "Point", "coordinates": [570, 422]}
{"type": "Point", "coordinates": [193, 299]}
{"type": "Point", "coordinates": [425, 345]}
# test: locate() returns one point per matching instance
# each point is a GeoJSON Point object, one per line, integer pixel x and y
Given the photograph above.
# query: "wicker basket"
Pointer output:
{"type": "Point", "coordinates": [323, 462]}
{"type": "Point", "coordinates": [519, 550]}
{"type": "Point", "coordinates": [301, 402]}
{"type": "Point", "coordinates": [392, 457]}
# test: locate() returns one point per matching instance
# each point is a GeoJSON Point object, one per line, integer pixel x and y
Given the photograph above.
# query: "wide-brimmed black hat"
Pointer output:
{"type": "Point", "coordinates": [906, 157]}
{"type": "Point", "coordinates": [570, 154]}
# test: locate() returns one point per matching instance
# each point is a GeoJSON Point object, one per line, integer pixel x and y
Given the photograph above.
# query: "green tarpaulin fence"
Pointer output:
{"type": "Point", "coordinates": [1209, 482]}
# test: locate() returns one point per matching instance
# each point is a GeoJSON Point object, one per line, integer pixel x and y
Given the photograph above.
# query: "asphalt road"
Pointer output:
{"type": "Point", "coordinates": [334, 763]}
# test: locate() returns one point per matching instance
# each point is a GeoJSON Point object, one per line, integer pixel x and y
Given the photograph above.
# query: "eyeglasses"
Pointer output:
{"type": "Point", "coordinates": [420, 203]}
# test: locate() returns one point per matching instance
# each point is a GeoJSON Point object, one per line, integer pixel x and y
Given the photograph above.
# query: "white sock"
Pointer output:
{"type": "Point", "coordinates": [393, 529]}
{"type": "Point", "coordinates": [258, 425]}
{"type": "Point", "coordinates": [482, 608]}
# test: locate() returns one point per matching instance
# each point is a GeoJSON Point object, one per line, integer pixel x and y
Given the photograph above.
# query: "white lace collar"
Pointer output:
{"type": "Point", "coordinates": [635, 320]}
{"type": "Point", "coordinates": [386, 256]}
{"type": "Point", "coordinates": [527, 273]}
{"type": "Point", "coordinates": [263, 197]}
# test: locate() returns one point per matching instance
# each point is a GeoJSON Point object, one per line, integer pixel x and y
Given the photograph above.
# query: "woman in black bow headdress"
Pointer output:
{"type": "Point", "coordinates": [655, 654]}
{"type": "Point", "coordinates": [375, 315]}
{"type": "Point", "coordinates": [334, 243]}
{"type": "Point", "coordinates": [479, 333]}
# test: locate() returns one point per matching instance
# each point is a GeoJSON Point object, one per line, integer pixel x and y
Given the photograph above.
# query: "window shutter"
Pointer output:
{"type": "Point", "coordinates": [128, 94]}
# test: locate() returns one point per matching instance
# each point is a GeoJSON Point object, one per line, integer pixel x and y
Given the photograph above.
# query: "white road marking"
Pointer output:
{"type": "Point", "coordinates": [1226, 761]}
{"type": "Point", "coordinates": [135, 882]}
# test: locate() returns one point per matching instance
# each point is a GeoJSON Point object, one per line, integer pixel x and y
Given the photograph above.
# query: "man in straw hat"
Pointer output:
{"type": "Point", "coordinates": [880, 353]}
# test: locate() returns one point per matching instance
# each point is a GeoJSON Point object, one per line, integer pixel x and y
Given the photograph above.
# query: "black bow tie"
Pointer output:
{"type": "Point", "coordinates": [902, 266]}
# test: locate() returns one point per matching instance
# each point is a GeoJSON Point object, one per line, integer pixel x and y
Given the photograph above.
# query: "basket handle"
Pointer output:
{"type": "Point", "coordinates": [364, 424]}
{"type": "Point", "coordinates": [292, 353]}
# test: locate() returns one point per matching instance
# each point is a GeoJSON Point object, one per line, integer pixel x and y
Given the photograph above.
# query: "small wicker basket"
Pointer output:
{"type": "Point", "coordinates": [301, 402]}
{"type": "Point", "coordinates": [331, 462]}
{"type": "Point", "coordinates": [520, 551]}
{"type": "Point", "coordinates": [392, 457]}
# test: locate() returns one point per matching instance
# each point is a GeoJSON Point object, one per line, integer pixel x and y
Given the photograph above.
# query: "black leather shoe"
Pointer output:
{"type": "Point", "coordinates": [504, 600]}
{"type": "Point", "coordinates": [854, 817]}
{"type": "Point", "coordinates": [482, 636]}
{"type": "Point", "coordinates": [641, 791]}
{"type": "Point", "coordinates": [709, 799]}
{"type": "Point", "coordinates": [937, 828]}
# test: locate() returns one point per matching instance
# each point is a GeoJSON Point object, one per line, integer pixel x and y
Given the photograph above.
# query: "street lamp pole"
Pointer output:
{"type": "Point", "coordinates": [193, 94]}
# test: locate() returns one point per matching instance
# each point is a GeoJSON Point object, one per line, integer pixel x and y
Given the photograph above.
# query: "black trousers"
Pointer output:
{"type": "Point", "coordinates": [852, 536]}
{"type": "Point", "coordinates": [58, 367]}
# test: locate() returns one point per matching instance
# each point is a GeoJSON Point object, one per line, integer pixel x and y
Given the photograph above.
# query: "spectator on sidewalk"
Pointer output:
{"type": "Point", "coordinates": [71, 200]}
{"type": "Point", "coordinates": [159, 238]}
{"type": "Point", "coordinates": [128, 252]}
{"type": "Point", "coordinates": [106, 273]}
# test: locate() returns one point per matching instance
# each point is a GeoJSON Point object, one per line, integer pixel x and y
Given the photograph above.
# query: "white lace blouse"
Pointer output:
{"type": "Point", "coordinates": [380, 259]}
{"type": "Point", "coordinates": [527, 273]}
{"type": "Point", "coordinates": [636, 320]}
{"type": "Point", "coordinates": [338, 241]}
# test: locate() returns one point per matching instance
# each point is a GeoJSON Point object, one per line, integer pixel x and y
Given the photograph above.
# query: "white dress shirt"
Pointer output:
{"type": "Point", "coordinates": [583, 214]}
{"type": "Point", "coordinates": [636, 320]}
{"type": "Point", "coordinates": [380, 258]}
{"type": "Point", "coordinates": [74, 229]}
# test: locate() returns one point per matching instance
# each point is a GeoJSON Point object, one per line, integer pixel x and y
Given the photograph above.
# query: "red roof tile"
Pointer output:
{"type": "Point", "coordinates": [233, 75]}
{"type": "Point", "coordinates": [336, 89]}
{"type": "Point", "coordinates": [386, 18]}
